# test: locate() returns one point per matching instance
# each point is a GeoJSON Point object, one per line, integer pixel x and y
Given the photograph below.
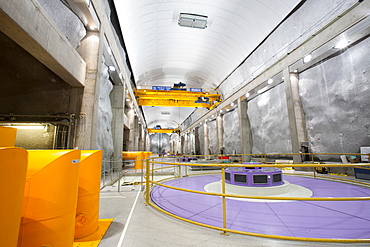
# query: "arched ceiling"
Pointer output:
{"type": "Point", "coordinates": [163, 53]}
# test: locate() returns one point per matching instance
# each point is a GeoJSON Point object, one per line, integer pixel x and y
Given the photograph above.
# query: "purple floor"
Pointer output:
{"type": "Point", "coordinates": [310, 219]}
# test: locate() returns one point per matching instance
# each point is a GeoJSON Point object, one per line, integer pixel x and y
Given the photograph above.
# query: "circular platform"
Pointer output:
{"type": "Point", "coordinates": [285, 190]}
{"type": "Point", "coordinates": [306, 219]}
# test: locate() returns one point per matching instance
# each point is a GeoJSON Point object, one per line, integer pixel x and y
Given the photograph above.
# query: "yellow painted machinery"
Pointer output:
{"type": "Point", "coordinates": [87, 212]}
{"type": "Point", "coordinates": [50, 198]}
{"type": "Point", "coordinates": [138, 156]}
{"type": "Point", "coordinates": [7, 136]}
{"type": "Point", "coordinates": [153, 130]}
{"type": "Point", "coordinates": [13, 169]}
{"type": "Point", "coordinates": [177, 98]}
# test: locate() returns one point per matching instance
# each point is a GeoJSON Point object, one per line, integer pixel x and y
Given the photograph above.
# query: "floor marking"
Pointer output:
{"type": "Point", "coordinates": [128, 221]}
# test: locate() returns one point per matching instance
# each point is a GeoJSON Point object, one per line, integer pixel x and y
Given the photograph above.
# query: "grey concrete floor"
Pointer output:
{"type": "Point", "coordinates": [136, 225]}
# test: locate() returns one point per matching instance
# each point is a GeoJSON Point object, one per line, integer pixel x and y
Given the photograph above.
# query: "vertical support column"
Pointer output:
{"type": "Point", "coordinates": [220, 132]}
{"type": "Point", "coordinates": [206, 140]}
{"type": "Point", "coordinates": [292, 79]}
{"type": "Point", "coordinates": [186, 143]}
{"type": "Point", "coordinates": [136, 134]}
{"type": "Point", "coordinates": [90, 50]}
{"type": "Point", "coordinates": [117, 101]}
{"type": "Point", "coordinates": [131, 140]}
{"type": "Point", "coordinates": [245, 130]}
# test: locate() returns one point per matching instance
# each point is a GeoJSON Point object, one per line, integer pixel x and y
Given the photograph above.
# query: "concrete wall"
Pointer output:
{"type": "Point", "coordinates": [68, 23]}
{"type": "Point", "coordinates": [268, 118]}
{"type": "Point", "coordinates": [231, 132]}
{"type": "Point", "coordinates": [335, 98]}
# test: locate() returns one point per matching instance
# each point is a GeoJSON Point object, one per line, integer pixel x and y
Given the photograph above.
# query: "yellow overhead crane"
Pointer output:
{"type": "Point", "coordinates": [177, 98]}
{"type": "Point", "coordinates": [155, 130]}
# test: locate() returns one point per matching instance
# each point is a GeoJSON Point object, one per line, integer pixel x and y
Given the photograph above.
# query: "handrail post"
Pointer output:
{"type": "Point", "coordinates": [147, 182]}
{"type": "Point", "coordinates": [223, 191]}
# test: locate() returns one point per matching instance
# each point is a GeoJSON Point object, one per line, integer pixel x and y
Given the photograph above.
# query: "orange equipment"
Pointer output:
{"type": "Point", "coordinates": [13, 168]}
{"type": "Point", "coordinates": [87, 213]}
{"type": "Point", "coordinates": [7, 136]}
{"type": "Point", "coordinates": [138, 156]}
{"type": "Point", "coordinates": [50, 198]}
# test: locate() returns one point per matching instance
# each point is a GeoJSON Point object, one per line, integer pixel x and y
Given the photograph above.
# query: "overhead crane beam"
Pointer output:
{"type": "Point", "coordinates": [151, 130]}
{"type": "Point", "coordinates": [176, 98]}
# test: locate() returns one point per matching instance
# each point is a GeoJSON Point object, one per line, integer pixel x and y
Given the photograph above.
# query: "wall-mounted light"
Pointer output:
{"type": "Point", "coordinates": [342, 44]}
{"type": "Point", "coordinates": [307, 58]}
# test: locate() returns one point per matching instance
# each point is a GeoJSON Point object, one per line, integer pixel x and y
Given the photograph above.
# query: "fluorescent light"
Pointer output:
{"type": "Point", "coordinates": [307, 58]}
{"type": "Point", "coordinates": [29, 127]}
{"type": "Point", "coordinates": [192, 20]}
{"type": "Point", "coordinates": [342, 44]}
{"type": "Point", "coordinates": [270, 81]}
{"type": "Point", "coordinates": [261, 90]}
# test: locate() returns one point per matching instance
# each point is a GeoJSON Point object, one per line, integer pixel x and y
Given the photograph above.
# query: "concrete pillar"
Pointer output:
{"type": "Point", "coordinates": [206, 140]}
{"type": "Point", "coordinates": [131, 140]}
{"type": "Point", "coordinates": [298, 108]}
{"type": "Point", "coordinates": [136, 133]}
{"type": "Point", "coordinates": [245, 130]}
{"type": "Point", "coordinates": [186, 143]}
{"type": "Point", "coordinates": [291, 81]}
{"type": "Point", "coordinates": [117, 101]}
{"type": "Point", "coordinates": [220, 131]}
{"type": "Point", "coordinates": [90, 50]}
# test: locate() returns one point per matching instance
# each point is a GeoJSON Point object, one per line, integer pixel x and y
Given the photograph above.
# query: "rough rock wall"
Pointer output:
{"type": "Point", "coordinates": [231, 132]}
{"type": "Point", "coordinates": [104, 137]}
{"type": "Point", "coordinates": [67, 21]}
{"type": "Point", "coordinates": [335, 97]}
{"type": "Point", "coordinates": [268, 116]}
{"type": "Point", "coordinates": [159, 143]}
{"type": "Point", "coordinates": [212, 137]}
{"type": "Point", "coordinates": [313, 15]}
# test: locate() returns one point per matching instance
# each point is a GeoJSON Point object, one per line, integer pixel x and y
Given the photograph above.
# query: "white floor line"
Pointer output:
{"type": "Point", "coordinates": [128, 221]}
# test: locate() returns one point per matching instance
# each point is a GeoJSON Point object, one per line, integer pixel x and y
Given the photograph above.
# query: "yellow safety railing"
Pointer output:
{"type": "Point", "coordinates": [224, 230]}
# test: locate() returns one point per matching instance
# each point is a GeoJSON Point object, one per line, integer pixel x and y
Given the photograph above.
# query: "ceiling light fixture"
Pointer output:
{"type": "Point", "coordinates": [192, 20]}
{"type": "Point", "coordinates": [247, 95]}
{"type": "Point", "coordinates": [342, 44]}
{"type": "Point", "coordinates": [112, 68]}
{"type": "Point", "coordinates": [307, 58]}
{"type": "Point", "coordinates": [232, 104]}
{"type": "Point", "coordinates": [270, 81]}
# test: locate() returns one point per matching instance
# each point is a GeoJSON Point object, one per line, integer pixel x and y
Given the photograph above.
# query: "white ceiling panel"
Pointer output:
{"type": "Point", "coordinates": [163, 53]}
